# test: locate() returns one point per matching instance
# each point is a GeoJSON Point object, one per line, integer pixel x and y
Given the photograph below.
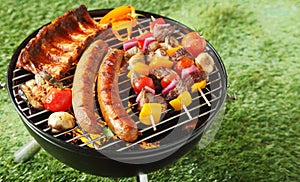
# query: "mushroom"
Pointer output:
{"type": "Point", "coordinates": [60, 121]}
{"type": "Point", "coordinates": [205, 61]}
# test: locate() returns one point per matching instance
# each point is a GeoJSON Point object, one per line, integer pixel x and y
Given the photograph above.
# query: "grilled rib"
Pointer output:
{"type": "Point", "coordinates": [59, 45]}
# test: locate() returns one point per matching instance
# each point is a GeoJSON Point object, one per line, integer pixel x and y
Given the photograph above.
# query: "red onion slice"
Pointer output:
{"type": "Point", "coordinates": [149, 89]}
{"type": "Point", "coordinates": [168, 88]}
{"type": "Point", "coordinates": [188, 71]}
{"type": "Point", "coordinates": [130, 43]}
{"type": "Point", "coordinates": [138, 98]}
{"type": "Point", "coordinates": [147, 41]}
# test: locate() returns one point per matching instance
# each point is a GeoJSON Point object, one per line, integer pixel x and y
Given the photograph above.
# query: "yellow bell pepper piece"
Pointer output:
{"type": "Point", "coordinates": [157, 62]}
{"type": "Point", "coordinates": [184, 98]}
{"type": "Point", "coordinates": [200, 85]}
{"type": "Point", "coordinates": [140, 68]}
{"type": "Point", "coordinates": [148, 110]}
{"type": "Point", "coordinates": [171, 51]}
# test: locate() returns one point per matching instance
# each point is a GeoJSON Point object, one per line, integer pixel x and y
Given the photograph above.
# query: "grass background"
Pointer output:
{"type": "Point", "coordinates": [259, 42]}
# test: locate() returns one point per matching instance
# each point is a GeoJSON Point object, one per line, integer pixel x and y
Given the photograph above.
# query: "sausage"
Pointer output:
{"type": "Point", "coordinates": [83, 86]}
{"type": "Point", "coordinates": [109, 99]}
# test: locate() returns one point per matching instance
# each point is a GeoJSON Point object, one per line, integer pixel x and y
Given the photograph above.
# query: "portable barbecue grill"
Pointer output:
{"type": "Point", "coordinates": [104, 156]}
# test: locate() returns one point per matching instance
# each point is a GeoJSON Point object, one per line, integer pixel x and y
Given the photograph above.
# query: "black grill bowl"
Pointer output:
{"type": "Point", "coordinates": [125, 163]}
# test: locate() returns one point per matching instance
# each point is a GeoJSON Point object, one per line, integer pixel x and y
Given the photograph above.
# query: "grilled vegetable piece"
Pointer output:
{"type": "Point", "coordinates": [139, 68]}
{"type": "Point", "coordinates": [60, 121]}
{"type": "Point", "coordinates": [140, 83]}
{"type": "Point", "coordinates": [198, 86]}
{"type": "Point", "coordinates": [58, 99]}
{"type": "Point", "coordinates": [34, 91]}
{"type": "Point", "coordinates": [172, 87]}
{"type": "Point", "coordinates": [205, 61]}
{"type": "Point", "coordinates": [83, 86]}
{"type": "Point", "coordinates": [137, 58]}
{"type": "Point", "coordinates": [120, 18]}
{"type": "Point", "coordinates": [172, 50]}
{"type": "Point", "coordinates": [150, 111]}
{"type": "Point", "coordinates": [184, 98]}
{"type": "Point", "coordinates": [120, 13]}
{"type": "Point", "coordinates": [182, 64]}
{"type": "Point", "coordinates": [109, 99]}
{"type": "Point", "coordinates": [168, 79]}
{"type": "Point", "coordinates": [30, 92]}
{"type": "Point", "coordinates": [156, 21]}
{"type": "Point", "coordinates": [158, 61]}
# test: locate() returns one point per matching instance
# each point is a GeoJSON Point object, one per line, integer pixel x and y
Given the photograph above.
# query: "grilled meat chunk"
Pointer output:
{"type": "Point", "coordinates": [59, 45]}
{"type": "Point", "coordinates": [180, 54]}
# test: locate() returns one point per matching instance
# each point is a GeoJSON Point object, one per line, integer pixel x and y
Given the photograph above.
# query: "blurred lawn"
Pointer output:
{"type": "Point", "coordinates": [260, 134]}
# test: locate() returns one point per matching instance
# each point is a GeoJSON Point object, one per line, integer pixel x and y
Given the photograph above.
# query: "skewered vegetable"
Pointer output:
{"type": "Point", "coordinates": [139, 57]}
{"type": "Point", "coordinates": [171, 51]}
{"type": "Point", "coordinates": [198, 86]}
{"type": "Point", "coordinates": [184, 99]}
{"type": "Point", "coordinates": [150, 112]}
{"type": "Point", "coordinates": [156, 21]}
{"type": "Point", "coordinates": [130, 43]}
{"type": "Point", "coordinates": [168, 79]}
{"type": "Point", "coordinates": [204, 61]}
{"type": "Point", "coordinates": [139, 68]}
{"type": "Point", "coordinates": [142, 82]}
{"type": "Point", "coordinates": [182, 64]}
{"type": "Point", "coordinates": [157, 62]}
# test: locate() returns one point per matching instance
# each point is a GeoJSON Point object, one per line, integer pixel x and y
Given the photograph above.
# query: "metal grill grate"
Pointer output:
{"type": "Point", "coordinates": [198, 111]}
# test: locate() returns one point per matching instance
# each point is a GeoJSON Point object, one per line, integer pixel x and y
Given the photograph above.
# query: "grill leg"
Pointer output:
{"type": "Point", "coordinates": [142, 178]}
{"type": "Point", "coordinates": [27, 151]}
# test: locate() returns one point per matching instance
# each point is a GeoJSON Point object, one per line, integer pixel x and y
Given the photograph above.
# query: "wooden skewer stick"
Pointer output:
{"type": "Point", "coordinates": [152, 122]}
{"type": "Point", "coordinates": [187, 112]}
{"type": "Point", "coordinates": [152, 18]}
{"type": "Point", "coordinates": [140, 31]}
{"type": "Point", "coordinates": [204, 97]}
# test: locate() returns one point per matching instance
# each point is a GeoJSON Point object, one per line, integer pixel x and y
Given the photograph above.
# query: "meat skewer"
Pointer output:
{"type": "Point", "coordinates": [204, 62]}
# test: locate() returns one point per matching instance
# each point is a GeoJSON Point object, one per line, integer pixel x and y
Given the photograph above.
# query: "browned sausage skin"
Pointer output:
{"type": "Point", "coordinates": [83, 86]}
{"type": "Point", "coordinates": [109, 99]}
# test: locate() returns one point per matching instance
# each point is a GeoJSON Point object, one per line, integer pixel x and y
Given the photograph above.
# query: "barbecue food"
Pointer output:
{"type": "Point", "coordinates": [205, 61]}
{"type": "Point", "coordinates": [58, 99]}
{"type": "Point", "coordinates": [109, 99]}
{"type": "Point", "coordinates": [33, 94]}
{"type": "Point", "coordinates": [60, 121]}
{"type": "Point", "coordinates": [162, 52]}
{"type": "Point", "coordinates": [59, 45]}
{"type": "Point", "coordinates": [121, 18]}
{"type": "Point", "coordinates": [34, 91]}
{"type": "Point", "coordinates": [83, 86]}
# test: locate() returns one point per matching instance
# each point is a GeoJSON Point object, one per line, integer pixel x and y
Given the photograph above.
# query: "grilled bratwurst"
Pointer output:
{"type": "Point", "coordinates": [83, 86]}
{"type": "Point", "coordinates": [109, 99]}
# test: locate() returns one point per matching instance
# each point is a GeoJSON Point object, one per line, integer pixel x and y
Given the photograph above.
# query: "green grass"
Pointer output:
{"type": "Point", "coordinates": [260, 134]}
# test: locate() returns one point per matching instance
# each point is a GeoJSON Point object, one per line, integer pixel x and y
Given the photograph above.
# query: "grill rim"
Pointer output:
{"type": "Point", "coordinates": [41, 136]}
